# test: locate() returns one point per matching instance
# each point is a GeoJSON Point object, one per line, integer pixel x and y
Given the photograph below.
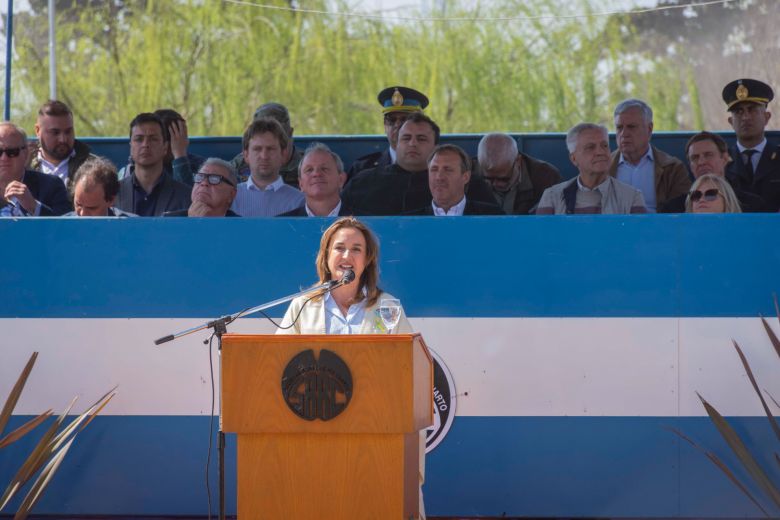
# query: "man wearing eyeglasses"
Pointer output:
{"type": "Point", "coordinates": [26, 192]}
{"type": "Point", "coordinates": [147, 189]}
{"type": "Point", "coordinates": [213, 191]}
{"type": "Point", "coordinates": [397, 103]}
{"type": "Point", "coordinates": [755, 165]}
{"type": "Point", "coordinates": [517, 180]}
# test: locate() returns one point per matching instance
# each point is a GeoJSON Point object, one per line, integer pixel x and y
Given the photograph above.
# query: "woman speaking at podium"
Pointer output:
{"type": "Point", "coordinates": [356, 307]}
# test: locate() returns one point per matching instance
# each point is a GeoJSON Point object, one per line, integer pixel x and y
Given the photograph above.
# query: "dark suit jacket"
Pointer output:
{"type": "Point", "coordinates": [473, 208]}
{"type": "Point", "coordinates": [766, 179]}
{"type": "Point", "coordinates": [372, 160]}
{"type": "Point", "coordinates": [172, 195]}
{"type": "Point", "coordinates": [344, 211]}
{"type": "Point", "coordinates": [50, 191]}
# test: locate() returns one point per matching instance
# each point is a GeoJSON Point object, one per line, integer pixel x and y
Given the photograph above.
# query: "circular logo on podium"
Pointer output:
{"type": "Point", "coordinates": [317, 388]}
{"type": "Point", "coordinates": [444, 401]}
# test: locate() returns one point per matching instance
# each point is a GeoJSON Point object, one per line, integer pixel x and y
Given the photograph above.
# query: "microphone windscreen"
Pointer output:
{"type": "Point", "coordinates": [349, 276]}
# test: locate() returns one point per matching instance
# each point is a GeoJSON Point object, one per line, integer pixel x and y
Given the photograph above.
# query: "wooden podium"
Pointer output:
{"type": "Point", "coordinates": [363, 463]}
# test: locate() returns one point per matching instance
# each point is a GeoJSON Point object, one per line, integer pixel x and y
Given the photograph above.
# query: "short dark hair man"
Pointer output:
{"type": "Point", "coordinates": [94, 190]}
{"type": "Point", "coordinates": [57, 151]}
{"type": "Point", "coordinates": [707, 153]}
{"type": "Point", "coordinates": [593, 191]}
{"type": "Point", "coordinates": [401, 187]}
{"type": "Point", "coordinates": [291, 155]}
{"type": "Point", "coordinates": [265, 194]}
{"type": "Point", "coordinates": [659, 176]}
{"type": "Point", "coordinates": [321, 176]}
{"type": "Point", "coordinates": [146, 189]}
{"type": "Point", "coordinates": [449, 173]}
{"type": "Point", "coordinates": [213, 191]}
{"type": "Point", "coordinates": [517, 180]}
{"type": "Point", "coordinates": [26, 192]}
{"type": "Point", "coordinates": [397, 103]}
{"type": "Point", "coordinates": [178, 160]}
{"type": "Point", "coordinates": [755, 165]}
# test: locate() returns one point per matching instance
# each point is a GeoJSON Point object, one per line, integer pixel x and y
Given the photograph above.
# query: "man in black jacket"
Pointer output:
{"type": "Point", "coordinates": [26, 192]}
{"type": "Point", "coordinates": [755, 166]}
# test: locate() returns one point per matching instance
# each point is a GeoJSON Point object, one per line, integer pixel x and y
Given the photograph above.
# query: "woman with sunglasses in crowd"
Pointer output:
{"type": "Point", "coordinates": [712, 194]}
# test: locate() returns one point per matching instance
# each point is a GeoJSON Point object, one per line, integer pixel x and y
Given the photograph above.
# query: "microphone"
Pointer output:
{"type": "Point", "coordinates": [349, 277]}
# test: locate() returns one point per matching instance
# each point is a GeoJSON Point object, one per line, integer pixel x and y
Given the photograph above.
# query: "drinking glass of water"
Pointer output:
{"type": "Point", "coordinates": [390, 312]}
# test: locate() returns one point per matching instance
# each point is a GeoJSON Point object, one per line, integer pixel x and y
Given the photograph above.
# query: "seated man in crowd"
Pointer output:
{"type": "Point", "coordinates": [213, 191]}
{"type": "Point", "coordinates": [401, 187]}
{"type": "Point", "coordinates": [26, 192]}
{"type": "Point", "coordinates": [448, 175]}
{"type": "Point", "coordinates": [94, 190]}
{"type": "Point", "coordinates": [177, 160]}
{"type": "Point", "coordinates": [659, 176]}
{"type": "Point", "coordinates": [755, 166]}
{"type": "Point", "coordinates": [593, 190]}
{"type": "Point", "coordinates": [517, 180]}
{"type": "Point", "coordinates": [397, 103]}
{"type": "Point", "coordinates": [321, 178]}
{"type": "Point", "coordinates": [57, 152]}
{"type": "Point", "coordinates": [291, 156]}
{"type": "Point", "coordinates": [708, 154]}
{"type": "Point", "coordinates": [265, 194]}
{"type": "Point", "coordinates": [146, 189]}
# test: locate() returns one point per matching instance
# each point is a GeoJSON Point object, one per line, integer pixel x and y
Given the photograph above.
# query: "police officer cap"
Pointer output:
{"type": "Point", "coordinates": [402, 99]}
{"type": "Point", "coordinates": [275, 111]}
{"type": "Point", "coordinates": [747, 90]}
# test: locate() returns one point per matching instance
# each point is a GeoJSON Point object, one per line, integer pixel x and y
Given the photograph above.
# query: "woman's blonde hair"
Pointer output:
{"type": "Point", "coordinates": [370, 277]}
{"type": "Point", "coordinates": [730, 202]}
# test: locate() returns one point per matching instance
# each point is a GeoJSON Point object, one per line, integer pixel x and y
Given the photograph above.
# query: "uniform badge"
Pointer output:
{"type": "Point", "coordinates": [742, 92]}
{"type": "Point", "coordinates": [397, 99]}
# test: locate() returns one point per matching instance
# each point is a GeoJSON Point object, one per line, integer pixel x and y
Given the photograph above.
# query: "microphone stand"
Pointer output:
{"type": "Point", "coordinates": [219, 326]}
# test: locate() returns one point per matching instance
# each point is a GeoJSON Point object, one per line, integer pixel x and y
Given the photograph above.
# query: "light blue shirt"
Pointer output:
{"type": "Point", "coordinates": [274, 199]}
{"type": "Point", "coordinates": [641, 177]}
{"type": "Point", "coordinates": [759, 148]}
{"type": "Point", "coordinates": [337, 323]}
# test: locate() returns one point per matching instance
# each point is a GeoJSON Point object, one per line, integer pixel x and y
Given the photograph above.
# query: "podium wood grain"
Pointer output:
{"type": "Point", "coordinates": [362, 463]}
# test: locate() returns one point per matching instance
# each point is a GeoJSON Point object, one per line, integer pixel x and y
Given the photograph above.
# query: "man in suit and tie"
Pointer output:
{"type": "Point", "coordinates": [24, 192]}
{"type": "Point", "coordinates": [321, 176]}
{"type": "Point", "coordinates": [755, 165]}
{"type": "Point", "coordinates": [147, 189]}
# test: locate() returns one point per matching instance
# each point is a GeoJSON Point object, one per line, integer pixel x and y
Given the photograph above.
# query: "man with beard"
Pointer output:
{"type": "Point", "coordinates": [397, 103]}
{"type": "Point", "coordinates": [593, 191]}
{"type": "Point", "coordinates": [146, 189]}
{"type": "Point", "coordinates": [213, 191]}
{"type": "Point", "coordinates": [26, 193]}
{"type": "Point", "coordinates": [57, 151]}
{"type": "Point", "coordinates": [755, 165]}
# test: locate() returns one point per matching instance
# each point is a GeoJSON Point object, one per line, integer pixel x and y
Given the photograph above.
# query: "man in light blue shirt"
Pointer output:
{"type": "Point", "coordinates": [265, 194]}
{"type": "Point", "coordinates": [659, 176]}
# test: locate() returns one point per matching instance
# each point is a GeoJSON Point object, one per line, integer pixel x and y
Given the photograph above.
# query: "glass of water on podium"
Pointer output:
{"type": "Point", "coordinates": [390, 312]}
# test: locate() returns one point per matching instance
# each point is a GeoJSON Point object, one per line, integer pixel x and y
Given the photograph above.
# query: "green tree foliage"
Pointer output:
{"type": "Point", "coordinates": [215, 62]}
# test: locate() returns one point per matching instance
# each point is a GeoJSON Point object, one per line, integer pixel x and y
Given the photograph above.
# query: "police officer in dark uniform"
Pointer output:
{"type": "Point", "coordinates": [397, 103]}
{"type": "Point", "coordinates": [755, 165]}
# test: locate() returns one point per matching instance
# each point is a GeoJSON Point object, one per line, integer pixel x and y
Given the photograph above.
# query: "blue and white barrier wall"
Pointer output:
{"type": "Point", "coordinates": [574, 344]}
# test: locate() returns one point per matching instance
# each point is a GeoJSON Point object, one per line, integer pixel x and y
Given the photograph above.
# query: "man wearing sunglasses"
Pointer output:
{"type": "Point", "coordinates": [213, 191]}
{"type": "Point", "coordinates": [397, 103]}
{"type": "Point", "coordinates": [26, 192]}
{"type": "Point", "coordinates": [755, 165]}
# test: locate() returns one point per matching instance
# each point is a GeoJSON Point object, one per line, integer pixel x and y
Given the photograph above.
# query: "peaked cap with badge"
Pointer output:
{"type": "Point", "coordinates": [402, 99]}
{"type": "Point", "coordinates": [747, 90]}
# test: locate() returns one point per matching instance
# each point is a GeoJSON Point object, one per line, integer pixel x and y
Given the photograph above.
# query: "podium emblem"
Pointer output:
{"type": "Point", "coordinates": [317, 388]}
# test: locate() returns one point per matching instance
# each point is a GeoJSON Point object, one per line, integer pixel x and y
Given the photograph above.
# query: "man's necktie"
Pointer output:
{"type": "Point", "coordinates": [749, 165]}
